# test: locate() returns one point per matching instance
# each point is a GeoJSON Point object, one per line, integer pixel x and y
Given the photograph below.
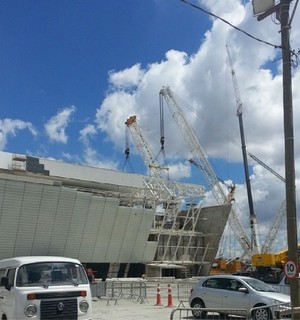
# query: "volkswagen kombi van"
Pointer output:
{"type": "Point", "coordinates": [44, 287]}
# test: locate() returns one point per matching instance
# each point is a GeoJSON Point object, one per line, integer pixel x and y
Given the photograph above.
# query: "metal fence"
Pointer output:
{"type": "Point", "coordinates": [184, 290]}
{"type": "Point", "coordinates": [274, 312]}
{"type": "Point", "coordinates": [277, 311]}
{"type": "Point", "coordinates": [115, 290]}
{"type": "Point", "coordinates": [209, 313]}
{"type": "Point", "coordinates": [98, 289]}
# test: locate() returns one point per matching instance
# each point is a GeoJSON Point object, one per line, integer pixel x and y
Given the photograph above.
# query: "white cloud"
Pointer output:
{"type": "Point", "coordinates": [127, 78]}
{"type": "Point", "coordinates": [204, 81]}
{"type": "Point", "coordinates": [91, 155]}
{"type": "Point", "coordinates": [55, 127]}
{"type": "Point", "coordinates": [10, 127]}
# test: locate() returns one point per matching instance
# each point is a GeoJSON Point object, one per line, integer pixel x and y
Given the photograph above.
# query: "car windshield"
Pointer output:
{"type": "Point", "coordinates": [259, 285]}
{"type": "Point", "coordinates": [51, 274]}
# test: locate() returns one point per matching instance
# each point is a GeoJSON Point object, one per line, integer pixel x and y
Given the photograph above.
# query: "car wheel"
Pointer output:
{"type": "Point", "coordinates": [198, 314]}
{"type": "Point", "coordinates": [262, 314]}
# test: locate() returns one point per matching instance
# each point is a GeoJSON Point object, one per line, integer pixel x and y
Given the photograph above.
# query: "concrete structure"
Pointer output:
{"type": "Point", "coordinates": [120, 224]}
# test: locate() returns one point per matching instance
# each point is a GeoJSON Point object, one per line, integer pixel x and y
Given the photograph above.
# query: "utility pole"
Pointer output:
{"type": "Point", "coordinates": [282, 13]}
{"type": "Point", "coordinates": [289, 148]}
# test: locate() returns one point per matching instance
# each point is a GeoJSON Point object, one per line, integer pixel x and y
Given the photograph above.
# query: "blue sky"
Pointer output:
{"type": "Point", "coordinates": [57, 55]}
{"type": "Point", "coordinates": [73, 71]}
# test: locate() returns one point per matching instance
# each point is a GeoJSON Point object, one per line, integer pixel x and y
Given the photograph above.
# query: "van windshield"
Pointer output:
{"type": "Point", "coordinates": [51, 274]}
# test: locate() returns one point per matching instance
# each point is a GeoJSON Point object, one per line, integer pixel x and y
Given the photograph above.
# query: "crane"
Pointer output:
{"type": "Point", "coordinates": [201, 159]}
{"type": "Point", "coordinates": [144, 148]}
{"type": "Point", "coordinates": [156, 181]}
{"type": "Point", "coordinates": [270, 237]}
{"type": "Point", "coordinates": [255, 247]}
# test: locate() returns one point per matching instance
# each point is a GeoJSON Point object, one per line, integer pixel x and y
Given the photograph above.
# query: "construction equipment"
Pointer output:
{"type": "Point", "coordinates": [143, 147]}
{"type": "Point", "coordinates": [156, 181]}
{"type": "Point", "coordinates": [200, 157]}
{"type": "Point", "coordinates": [269, 239]}
{"type": "Point", "coordinates": [255, 247]}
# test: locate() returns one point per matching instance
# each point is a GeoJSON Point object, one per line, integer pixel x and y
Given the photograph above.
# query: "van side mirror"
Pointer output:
{"type": "Point", "coordinates": [4, 283]}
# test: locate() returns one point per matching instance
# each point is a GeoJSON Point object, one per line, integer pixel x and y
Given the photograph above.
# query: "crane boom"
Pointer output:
{"type": "Point", "coordinates": [201, 159]}
{"type": "Point", "coordinates": [143, 147]}
{"type": "Point", "coordinates": [253, 222]}
{"type": "Point", "coordinates": [155, 182]}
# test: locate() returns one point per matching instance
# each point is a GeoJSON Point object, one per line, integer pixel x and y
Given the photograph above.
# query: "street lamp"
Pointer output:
{"type": "Point", "coordinates": [282, 11]}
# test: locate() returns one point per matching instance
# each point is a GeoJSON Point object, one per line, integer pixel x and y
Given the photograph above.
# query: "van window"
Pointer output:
{"type": "Point", "coordinates": [11, 276]}
{"type": "Point", "coordinates": [51, 274]}
{"type": "Point", "coordinates": [2, 273]}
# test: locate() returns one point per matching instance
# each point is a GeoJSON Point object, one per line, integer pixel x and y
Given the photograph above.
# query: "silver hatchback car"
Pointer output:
{"type": "Point", "coordinates": [235, 292]}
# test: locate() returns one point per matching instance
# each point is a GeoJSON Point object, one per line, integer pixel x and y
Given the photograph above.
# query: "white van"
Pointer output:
{"type": "Point", "coordinates": [44, 288]}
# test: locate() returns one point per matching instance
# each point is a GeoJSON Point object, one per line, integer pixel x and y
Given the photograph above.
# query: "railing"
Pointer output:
{"type": "Point", "coordinates": [274, 312]}
{"type": "Point", "coordinates": [184, 290]}
{"type": "Point", "coordinates": [277, 311]}
{"type": "Point", "coordinates": [115, 290]}
{"type": "Point", "coordinates": [98, 289]}
{"type": "Point", "coordinates": [209, 313]}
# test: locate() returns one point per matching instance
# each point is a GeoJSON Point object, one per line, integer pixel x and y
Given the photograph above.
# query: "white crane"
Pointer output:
{"type": "Point", "coordinates": [201, 159]}
{"type": "Point", "coordinates": [269, 239]}
{"type": "Point", "coordinates": [156, 181]}
{"type": "Point", "coordinates": [154, 169]}
{"type": "Point", "coordinates": [255, 246]}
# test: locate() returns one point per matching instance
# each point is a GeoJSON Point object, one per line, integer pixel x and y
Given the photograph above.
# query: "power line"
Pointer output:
{"type": "Point", "coordinates": [230, 24]}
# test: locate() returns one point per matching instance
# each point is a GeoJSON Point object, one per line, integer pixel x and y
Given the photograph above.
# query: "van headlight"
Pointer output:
{"type": "Point", "coordinates": [30, 310]}
{"type": "Point", "coordinates": [84, 306]}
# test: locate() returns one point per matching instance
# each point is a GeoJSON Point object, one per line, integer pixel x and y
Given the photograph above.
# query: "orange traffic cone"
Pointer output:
{"type": "Point", "coordinates": [170, 302]}
{"type": "Point", "coordinates": [158, 297]}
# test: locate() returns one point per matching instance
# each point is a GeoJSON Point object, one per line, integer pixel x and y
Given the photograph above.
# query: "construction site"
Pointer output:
{"type": "Point", "coordinates": [121, 224]}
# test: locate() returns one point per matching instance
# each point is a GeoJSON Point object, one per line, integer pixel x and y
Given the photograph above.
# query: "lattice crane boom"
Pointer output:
{"type": "Point", "coordinates": [143, 147]}
{"type": "Point", "coordinates": [204, 165]}
{"type": "Point", "coordinates": [255, 246]}
{"type": "Point", "coordinates": [156, 182]}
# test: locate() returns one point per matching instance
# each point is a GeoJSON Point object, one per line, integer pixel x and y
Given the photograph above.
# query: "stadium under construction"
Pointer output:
{"type": "Point", "coordinates": [119, 224]}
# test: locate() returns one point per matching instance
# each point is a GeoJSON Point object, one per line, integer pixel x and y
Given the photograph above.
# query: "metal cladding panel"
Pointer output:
{"type": "Point", "coordinates": [150, 251]}
{"type": "Point", "coordinates": [117, 235]}
{"type": "Point", "coordinates": [28, 219]}
{"type": "Point", "coordinates": [10, 216]}
{"type": "Point", "coordinates": [45, 220]}
{"type": "Point", "coordinates": [75, 232]}
{"type": "Point", "coordinates": [142, 237]}
{"type": "Point", "coordinates": [91, 228]}
{"type": "Point", "coordinates": [105, 229]}
{"type": "Point", "coordinates": [62, 221]}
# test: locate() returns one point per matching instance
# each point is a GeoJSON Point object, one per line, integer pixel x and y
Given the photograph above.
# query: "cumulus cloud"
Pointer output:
{"type": "Point", "coordinates": [55, 127]}
{"type": "Point", "coordinates": [203, 80]}
{"type": "Point", "coordinates": [91, 156]}
{"type": "Point", "coordinates": [10, 127]}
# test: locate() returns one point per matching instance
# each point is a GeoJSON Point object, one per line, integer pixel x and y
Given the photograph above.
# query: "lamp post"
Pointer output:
{"type": "Point", "coordinates": [282, 8]}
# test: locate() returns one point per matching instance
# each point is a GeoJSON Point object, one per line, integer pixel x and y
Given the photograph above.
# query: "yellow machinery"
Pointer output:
{"type": "Point", "coordinates": [225, 266]}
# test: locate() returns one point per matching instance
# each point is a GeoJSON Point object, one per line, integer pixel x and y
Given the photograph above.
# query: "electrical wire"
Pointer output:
{"type": "Point", "coordinates": [233, 26]}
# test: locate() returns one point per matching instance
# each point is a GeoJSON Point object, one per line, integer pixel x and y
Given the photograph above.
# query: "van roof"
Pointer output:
{"type": "Point", "coordinates": [18, 261]}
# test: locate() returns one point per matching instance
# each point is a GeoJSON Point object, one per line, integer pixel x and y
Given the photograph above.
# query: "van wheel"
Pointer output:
{"type": "Point", "coordinates": [3, 317]}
